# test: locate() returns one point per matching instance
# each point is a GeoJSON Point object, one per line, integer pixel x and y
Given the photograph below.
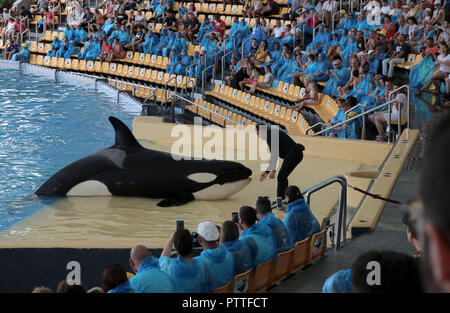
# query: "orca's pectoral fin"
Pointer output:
{"type": "Point", "coordinates": [177, 200]}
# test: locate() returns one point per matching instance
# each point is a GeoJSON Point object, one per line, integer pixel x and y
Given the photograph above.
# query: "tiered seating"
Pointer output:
{"type": "Point", "coordinates": [293, 121]}
{"type": "Point", "coordinates": [270, 273]}
{"type": "Point", "coordinates": [326, 109]}
{"type": "Point", "coordinates": [221, 114]}
{"type": "Point", "coordinates": [141, 92]}
{"type": "Point", "coordinates": [113, 69]}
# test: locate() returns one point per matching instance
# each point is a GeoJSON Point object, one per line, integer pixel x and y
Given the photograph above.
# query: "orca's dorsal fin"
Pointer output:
{"type": "Point", "coordinates": [124, 138]}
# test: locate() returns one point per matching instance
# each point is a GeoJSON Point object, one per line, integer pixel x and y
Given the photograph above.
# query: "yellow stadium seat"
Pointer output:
{"type": "Point", "coordinates": [318, 252]}
{"type": "Point", "coordinates": [47, 48]}
{"type": "Point", "coordinates": [128, 57]}
{"type": "Point", "coordinates": [98, 67]}
{"type": "Point", "coordinates": [105, 67]}
{"type": "Point", "coordinates": [90, 66]}
{"type": "Point", "coordinates": [68, 64]}
{"type": "Point", "coordinates": [112, 68]}
{"type": "Point", "coordinates": [33, 47]}
{"type": "Point", "coordinates": [47, 60]}
{"type": "Point", "coordinates": [137, 58]}
{"type": "Point", "coordinates": [241, 282]}
{"type": "Point", "coordinates": [75, 66]}
{"type": "Point", "coordinates": [47, 36]}
{"type": "Point", "coordinates": [33, 58]}
{"type": "Point", "coordinates": [146, 60]}
{"type": "Point", "coordinates": [260, 279]}
{"type": "Point", "coordinates": [136, 72]}
{"type": "Point", "coordinates": [82, 66]}
{"type": "Point", "coordinates": [280, 269]}
{"type": "Point", "coordinates": [40, 60]}
{"type": "Point", "coordinates": [142, 72]}
{"type": "Point", "coordinates": [61, 63]}
{"type": "Point", "coordinates": [41, 47]}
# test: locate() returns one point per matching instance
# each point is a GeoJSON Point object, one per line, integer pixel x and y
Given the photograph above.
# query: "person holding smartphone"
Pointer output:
{"type": "Point", "coordinates": [283, 146]}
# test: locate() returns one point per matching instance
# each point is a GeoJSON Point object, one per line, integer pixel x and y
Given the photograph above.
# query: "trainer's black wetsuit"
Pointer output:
{"type": "Point", "coordinates": [288, 150]}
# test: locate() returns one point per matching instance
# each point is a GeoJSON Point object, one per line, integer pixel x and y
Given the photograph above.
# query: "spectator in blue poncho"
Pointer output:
{"type": "Point", "coordinates": [205, 28]}
{"type": "Point", "coordinates": [124, 36]}
{"type": "Point", "coordinates": [283, 58]}
{"type": "Point", "coordinates": [339, 282]}
{"type": "Point", "coordinates": [174, 58]}
{"type": "Point", "coordinates": [300, 221]}
{"type": "Point", "coordinates": [229, 239]}
{"type": "Point", "coordinates": [149, 278]}
{"type": "Point", "coordinates": [279, 230]}
{"type": "Point", "coordinates": [275, 55]}
{"type": "Point", "coordinates": [80, 35]}
{"type": "Point", "coordinates": [109, 26]}
{"type": "Point", "coordinates": [170, 44]}
{"type": "Point", "coordinates": [54, 47]}
{"type": "Point", "coordinates": [95, 50]}
{"type": "Point", "coordinates": [188, 274]}
{"type": "Point", "coordinates": [114, 34]}
{"type": "Point", "coordinates": [262, 246]}
{"type": "Point", "coordinates": [115, 280]}
{"type": "Point", "coordinates": [183, 62]}
{"type": "Point", "coordinates": [217, 260]}
{"type": "Point", "coordinates": [339, 76]}
{"type": "Point", "coordinates": [69, 32]}
{"type": "Point", "coordinates": [87, 46]}
{"type": "Point", "coordinates": [71, 50]}
{"type": "Point", "coordinates": [151, 41]}
{"type": "Point", "coordinates": [23, 55]}
{"type": "Point", "coordinates": [353, 127]}
{"type": "Point", "coordinates": [63, 47]}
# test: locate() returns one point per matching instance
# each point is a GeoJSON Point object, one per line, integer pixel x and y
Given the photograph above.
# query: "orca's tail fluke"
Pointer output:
{"type": "Point", "coordinates": [124, 137]}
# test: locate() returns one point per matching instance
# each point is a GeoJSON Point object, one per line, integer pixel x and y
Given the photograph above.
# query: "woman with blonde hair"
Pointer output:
{"type": "Point", "coordinates": [311, 96]}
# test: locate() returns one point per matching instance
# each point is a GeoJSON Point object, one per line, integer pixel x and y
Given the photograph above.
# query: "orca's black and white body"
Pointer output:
{"type": "Point", "coordinates": [128, 169]}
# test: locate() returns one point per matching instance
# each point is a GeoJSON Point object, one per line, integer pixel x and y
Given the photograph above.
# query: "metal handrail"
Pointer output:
{"type": "Point", "coordinates": [155, 99]}
{"type": "Point", "coordinates": [407, 102]}
{"type": "Point", "coordinates": [332, 19]}
{"type": "Point", "coordinates": [223, 62]}
{"type": "Point", "coordinates": [165, 85]}
{"type": "Point", "coordinates": [242, 46]}
{"type": "Point", "coordinates": [364, 121]}
{"type": "Point", "coordinates": [342, 211]}
{"type": "Point", "coordinates": [311, 127]}
{"type": "Point", "coordinates": [187, 68]}
{"type": "Point", "coordinates": [314, 23]}
{"type": "Point", "coordinates": [389, 103]}
{"type": "Point", "coordinates": [184, 87]}
{"type": "Point", "coordinates": [225, 43]}
{"type": "Point", "coordinates": [204, 76]}
{"type": "Point", "coordinates": [206, 109]}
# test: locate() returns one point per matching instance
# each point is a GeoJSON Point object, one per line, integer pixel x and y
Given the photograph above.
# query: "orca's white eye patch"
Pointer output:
{"type": "Point", "coordinates": [202, 177]}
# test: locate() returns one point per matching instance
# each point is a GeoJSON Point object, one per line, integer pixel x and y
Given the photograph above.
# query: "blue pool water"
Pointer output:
{"type": "Point", "coordinates": [43, 127]}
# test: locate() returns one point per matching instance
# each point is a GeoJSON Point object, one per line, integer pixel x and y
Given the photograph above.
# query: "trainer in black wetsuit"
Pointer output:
{"type": "Point", "coordinates": [288, 150]}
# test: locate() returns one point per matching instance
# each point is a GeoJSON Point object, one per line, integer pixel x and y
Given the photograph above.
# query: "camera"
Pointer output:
{"type": "Point", "coordinates": [195, 242]}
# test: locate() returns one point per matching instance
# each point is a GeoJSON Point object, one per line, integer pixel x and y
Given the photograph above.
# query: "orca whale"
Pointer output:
{"type": "Point", "coordinates": [128, 169]}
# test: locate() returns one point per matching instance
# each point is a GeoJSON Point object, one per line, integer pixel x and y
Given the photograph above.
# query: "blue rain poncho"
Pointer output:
{"type": "Point", "coordinates": [180, 69]}
{"type": "Point", "coordinates": [369, 102]}
{"type": "Point", "coordinates": [348, 50]}
{"type": "Point", "coordinates": [87, 46]}
{"type": "Point", "coordinates": [352, 127]}
{"type": "Point", "coordinates": [114, 34]}
{"type": "Point", "coordinates": [54, 47]}
{"type": "Point", "coordinates": [163, 41]}
{"type": "Point", "coordinates": [173, 62]}
{"type": "Point", "coordinates": [71, 50]}
{"type": "Point", "coordinates": [262, 246]}
{"type": "Point", "coordinates": [94, 52]}
{"type": "Point", "coordinates": [150, 278]}
{"type": "Point", "coordinates": [188, 277]}
{"type": "Point", "coordinates": [339, 282]}
{"type": "Point", "coordinates": [80, 36]}
{"type": "Point", "coordinates": [360, 90]}
{"type": "Point", "coordinates": [348, 23]}
{"type": "Point", "coordinates": [108, 27]}
{"type": "Point", "coordinates": [62, 49]}
{"type": "Point", "coordinates": [170, 44]}
{"type": "Point", "coordinates": [69, 33]}
{"type": "Point", "coordinates": [220, 265]}
{"type": "Point", "coordinates": [241, 255]}
{"type": "Point", "coordinates": [421, 73]}
{"type": "Point", "coordinates": [285, 72]}
{"type": "Point", "coordinates": [258, 34]}
{"type": "Point", "coordinates": [124, 38]}
{"type": "Point", "coordinates": [23, 55]}
{"type": "Point", "coordinates": [123, 288]}
{"type": "Point", "coordinates": [300, 221]}
{"type": "Point", "coordinates": [330, 88]}
{"type": "Point", "coordinates": [321, 38]}
{"type": "Point", "coordinates": [275, 55]}
{"type": "Point", "coordinates": [151, 41]}
{"type": "Point", "coordinates": [280, 232]}
{"type": "Point", "coordinates": [206, 27]}
{"type": "Point", "coordinates": [278, 64]}
{"type": "Point", "coordinates": [194, 70]}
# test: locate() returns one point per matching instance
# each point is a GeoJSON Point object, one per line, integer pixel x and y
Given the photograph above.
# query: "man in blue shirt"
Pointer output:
{"type": "Point", "coordinates": [149, 278]}
{"type": "Point", "coordinates": [217, 260]}
{"type": "Point", "coordinates": [279, 230]}
{"type": "Point", "coordinates": [300, 221]}
{"type": "Point", "coordinates": [257, 236]}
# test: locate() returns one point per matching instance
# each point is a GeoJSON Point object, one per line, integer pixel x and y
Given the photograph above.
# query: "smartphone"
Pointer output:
{"type": "Point", "coordinates": [279, 203]}
{"type": "Point", "coordinates": [180, 225]}
{"type": "Point", "coordinates": [234, 217]}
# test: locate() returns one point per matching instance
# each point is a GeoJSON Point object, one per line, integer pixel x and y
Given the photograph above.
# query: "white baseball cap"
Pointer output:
{"type": "Point", "coordinates": [208, 231]}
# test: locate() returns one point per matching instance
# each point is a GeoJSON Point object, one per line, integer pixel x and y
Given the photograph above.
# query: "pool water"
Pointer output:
{"type": "Point", "coordinates": [45, 126]}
